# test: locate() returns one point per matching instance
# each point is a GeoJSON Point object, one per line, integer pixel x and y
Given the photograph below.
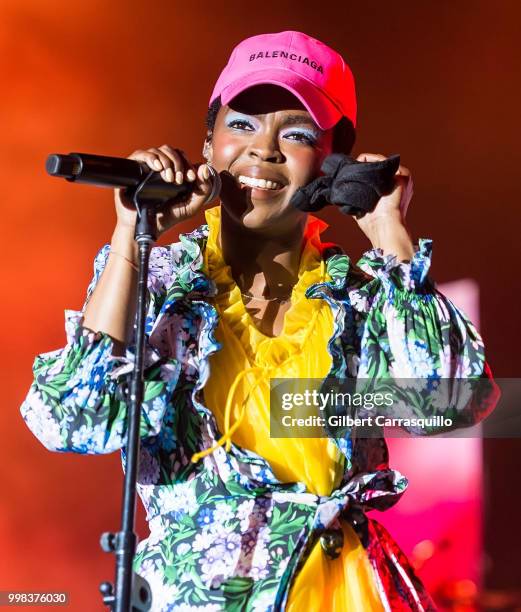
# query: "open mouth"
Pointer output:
{"type": "Point", "coordinates": [261, 184]}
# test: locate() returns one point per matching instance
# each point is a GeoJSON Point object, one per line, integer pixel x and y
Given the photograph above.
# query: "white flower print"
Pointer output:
{"type": "Point", "coordinates": [87, 438]}
{"type": "Point", "coordinates": [222, 554]}
{"type": "Point", "coordinates": [258, 572]}
{"type": "Point", "coordinates": [41, 422]}
{"type": "Point", "coordinates": [183, 548]}
{"type": "Point", "coordinates": [358, 301]}
{"type": "Point", "coordinates": [79, 397]}
{"type": "Point", "coordinates": [203, 539]}
{"type": "Point", "coordinates": [223, 512]}
{"type": "Point", "coordinates": [213, 566]}
{"type": "Point", "coordinates": [281, 568]}
{"type": "Point", "coordinates": [264, 603]}
{"type": "Point", "coordinates": [400, 410]}
{"type": "Point", "coordinates": [244, 509]}
{"type": "Point", "coordinates": [156, 536]}
{"type": "Point", "coordinates": [440, 397]}
{"type": "Point", "coordinates": [261, 558]}
{"type": "Point", "coordinates": [179, 499]}
{"type": "Point", "coordinates": [451, 394]}
{"type": "Point", "coordinates": [163, 595]}
{"type": "Point", "coordinates": [421, 359]}
{"type": "Point", "coordinates": [254, 520]}
{"type": "Point", "coordinates": [156, 410]}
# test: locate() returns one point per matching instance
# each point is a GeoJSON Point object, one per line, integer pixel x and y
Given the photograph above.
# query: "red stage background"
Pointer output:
{"type": "Point", "coordinates": [437, 82]}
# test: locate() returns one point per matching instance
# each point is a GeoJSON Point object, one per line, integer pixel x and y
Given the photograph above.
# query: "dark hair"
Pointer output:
{"type": "Point", "coordinates": [344, 133]}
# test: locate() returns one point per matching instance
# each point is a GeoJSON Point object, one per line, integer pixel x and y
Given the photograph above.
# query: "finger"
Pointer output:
{"type": "Point", "coordinates": [148, 157]}
{"type": "Point", "coordinates": [202, 189]}
{"type": "Point", "coordinates": [167, 165]}
{"type": "Point", "coordinates": [176, 164]}
{"type": "Point", "coordinates": [204, 181]}
{"type": "Point", "coordinates": [369, 157]}
{"type": "Point", "coordinates": [188, 169]}
{"type": "Point", "coordinates": [403, 171]}
{"type": "Point", "coordinates": [203, 175]}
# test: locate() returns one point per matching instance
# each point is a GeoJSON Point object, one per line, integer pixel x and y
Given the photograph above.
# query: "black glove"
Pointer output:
{"type": "Point", "coordinates": [352, 185]}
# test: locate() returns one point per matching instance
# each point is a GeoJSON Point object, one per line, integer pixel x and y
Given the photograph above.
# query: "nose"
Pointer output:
{"type": "Point", "coordinates": [265, 146]}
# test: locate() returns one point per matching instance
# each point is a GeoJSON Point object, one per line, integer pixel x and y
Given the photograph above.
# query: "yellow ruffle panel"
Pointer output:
{"type": "Point", "coordinates": [237, 392]}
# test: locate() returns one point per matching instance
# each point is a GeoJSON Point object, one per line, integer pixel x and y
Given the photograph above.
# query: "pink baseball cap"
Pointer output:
{"type": "Point", "coordinates": [312, 71]}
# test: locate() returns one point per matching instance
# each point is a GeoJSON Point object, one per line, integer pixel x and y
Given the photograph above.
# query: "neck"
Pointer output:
{"type": "Point", "coordinates": [261, 265]}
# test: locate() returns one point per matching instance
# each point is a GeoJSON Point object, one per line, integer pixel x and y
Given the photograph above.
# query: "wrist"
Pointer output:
{"type": "Point", "coordinates": [123, 243]}
{"type": "Point", "coordinates": [391, 236]}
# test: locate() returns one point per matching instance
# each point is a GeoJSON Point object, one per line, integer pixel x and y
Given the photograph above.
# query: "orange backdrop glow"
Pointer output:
{"type": "Point", "coordinates": [436, 82]}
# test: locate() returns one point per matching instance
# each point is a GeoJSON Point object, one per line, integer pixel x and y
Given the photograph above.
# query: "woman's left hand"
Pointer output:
{"type": "Point", "coordinates": [385, 224]}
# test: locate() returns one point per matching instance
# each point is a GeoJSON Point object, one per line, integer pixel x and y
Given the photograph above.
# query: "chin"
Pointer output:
{"type": "Point", "coordinates": [263, 216]}
{"type": "Point", "coordinates": [256, 219]}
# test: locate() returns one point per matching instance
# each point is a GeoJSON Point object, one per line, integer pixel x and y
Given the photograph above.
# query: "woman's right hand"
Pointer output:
{"type": "Point", "coordinates": [112, 305]}
{"type": "Point", "coordinates": [174, 168]}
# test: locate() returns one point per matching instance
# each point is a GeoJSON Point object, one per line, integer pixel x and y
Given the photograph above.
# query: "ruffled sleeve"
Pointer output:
{"type": "Point", "coordinates": [411, 332]}
{"type": "Point", "coordinates": [77, 401]}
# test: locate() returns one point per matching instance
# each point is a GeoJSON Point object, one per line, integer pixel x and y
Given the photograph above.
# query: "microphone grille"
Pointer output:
{"type": "Point", "coordinates": [66, 166]}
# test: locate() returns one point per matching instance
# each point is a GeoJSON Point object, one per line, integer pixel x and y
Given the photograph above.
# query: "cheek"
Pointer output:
{"type": "Point", "coordinates": [304, 166]}
{"type": "Point", "coordinates": [228, 150]}
{"type": "Point", "coordinates": [225, 151]}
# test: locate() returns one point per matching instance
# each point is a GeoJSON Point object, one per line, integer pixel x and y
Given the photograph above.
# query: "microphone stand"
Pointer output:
{"type": "Point", "coordinates": [132, 592]}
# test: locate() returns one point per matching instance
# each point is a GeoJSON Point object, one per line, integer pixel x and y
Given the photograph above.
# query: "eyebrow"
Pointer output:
{"type": "Point", "coordinates": [300, 119]}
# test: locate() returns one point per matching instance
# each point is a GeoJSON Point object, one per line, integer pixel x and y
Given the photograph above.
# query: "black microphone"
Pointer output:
{"type": "Point", "coordinates": [113, 172]}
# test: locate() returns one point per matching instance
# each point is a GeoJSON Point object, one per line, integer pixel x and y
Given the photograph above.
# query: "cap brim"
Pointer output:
{"type": "Point", "coordinates": [324, 112]}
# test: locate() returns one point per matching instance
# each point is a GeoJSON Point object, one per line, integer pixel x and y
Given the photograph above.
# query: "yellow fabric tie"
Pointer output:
{"type": "Point", "coordinates": [228, 431]}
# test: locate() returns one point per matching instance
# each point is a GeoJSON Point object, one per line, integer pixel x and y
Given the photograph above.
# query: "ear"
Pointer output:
{"type": "Point", "coordinates": [207, 148]}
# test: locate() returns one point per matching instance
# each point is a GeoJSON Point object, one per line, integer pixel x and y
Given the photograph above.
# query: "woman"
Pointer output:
{"type": "Point", "coordinates": [240, 520]}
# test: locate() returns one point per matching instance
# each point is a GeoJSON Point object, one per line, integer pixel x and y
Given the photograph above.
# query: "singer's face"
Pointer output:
{"type": "Point", "coordinates": [266, 145]}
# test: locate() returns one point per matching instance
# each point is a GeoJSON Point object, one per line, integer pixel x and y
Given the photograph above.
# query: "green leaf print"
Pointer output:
{"type": "Point", "coordinates": [237, 593]}
{"type": "Point", "coordinates": [50, 391]}
{"type": "Point", "coordinates": [153, 389]}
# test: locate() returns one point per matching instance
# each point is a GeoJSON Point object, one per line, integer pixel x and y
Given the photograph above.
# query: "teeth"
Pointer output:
{"type": "Point", "coordinates": [258, 183]}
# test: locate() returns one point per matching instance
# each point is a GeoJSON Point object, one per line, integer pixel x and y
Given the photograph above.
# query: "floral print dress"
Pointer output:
{"type": "Point", "coordinates": [225, 532]}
